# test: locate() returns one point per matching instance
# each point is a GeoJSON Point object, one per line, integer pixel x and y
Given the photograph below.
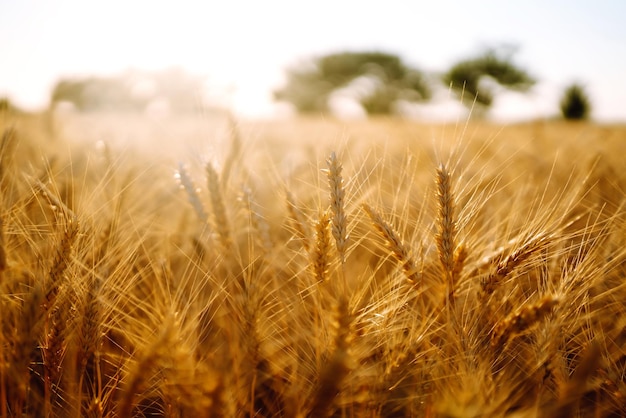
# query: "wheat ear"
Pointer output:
{"type": "Point", "coordinates": [320, 256]}
{"type": "Point", "coordinates": [337, 205]}
{"type": "Point", "coordinates": [219, 208]}
{"type": "Point", "coordinates": [393, 241]}
{"type": "Point", "coordinates": [446, 225]}
{"type": "Point", "coordinates": [63, 252]}
{"type": "Point", "coordinates": [521, 321]}
{"type": "Point", "coordinates": [192, 193]}
{"type": "Point", "coordinates": [512, 261]}
{"type": "Point", "coordinates": [62, 258]}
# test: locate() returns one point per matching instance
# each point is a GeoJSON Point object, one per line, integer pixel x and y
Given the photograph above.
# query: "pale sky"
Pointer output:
{"type": "Point", "coordinates": [244, 45]}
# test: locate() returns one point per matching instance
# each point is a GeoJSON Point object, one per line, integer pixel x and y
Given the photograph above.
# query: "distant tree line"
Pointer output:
{"type": "Point", "coordinates": [378, 81]}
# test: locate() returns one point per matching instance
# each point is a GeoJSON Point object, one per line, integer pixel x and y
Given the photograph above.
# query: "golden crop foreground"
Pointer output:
{"type": "Point", "coordinates": [312, 268]}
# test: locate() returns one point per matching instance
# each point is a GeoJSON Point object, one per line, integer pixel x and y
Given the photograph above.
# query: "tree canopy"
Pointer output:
{"type": "Point", "coordinates": [309, 86]}
{"type": "Point", "coordinates": [467, 77]}
{"type": "Point", "coordinates": [6, 105]}
{"type": "Point", "coordinates": [575, 104]}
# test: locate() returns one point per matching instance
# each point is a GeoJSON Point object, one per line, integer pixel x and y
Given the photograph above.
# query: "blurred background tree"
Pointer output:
{"type": "Point", "coordinates": [475, 79]}
{"type": "Point", "coordinates": [378, 79]}
{"type": "Point", "coordinates": [575, 104]}
{"type": "Point", "coordinates": [6, 105]}
{"type": "Point", "coordinates": [95, 93]}
{"type": "Point", "coordinates": [131, 91]}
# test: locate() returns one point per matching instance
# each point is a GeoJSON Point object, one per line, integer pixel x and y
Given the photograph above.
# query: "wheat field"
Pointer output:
{"type": "Point", "coordinates": [312, 268]}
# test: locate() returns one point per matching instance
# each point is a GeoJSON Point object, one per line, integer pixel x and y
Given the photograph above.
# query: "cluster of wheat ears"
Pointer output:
{"type": "Point", "coordinates": [388, 286]}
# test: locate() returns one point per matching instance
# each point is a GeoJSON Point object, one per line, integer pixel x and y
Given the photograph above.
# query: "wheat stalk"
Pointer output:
{"type": "Point", "coordinates": [258, 221]}
{"type": "Point", "coordinates": [235, 150]}
{"type": "Point", "coordinates": [53, 351]}
{"type": "Point", "coordinates": [3, 253]}
{"type": "Point", "coordinates": [28, 330]}
{"type": "Point", "coordinates": [145, 364]}
{"type": "Point", "coordinates": [89, 339]}
{"type": "Point", "coordinates": [7, 149]}
{"type": "Point", "coordinates": [89, 332]}
{"type": "Point", "coordinates": [335, 371]}
{"type": "Point", "coordinates": [576, 387]}
{"type": "Point", "coordinates": [298, 220]}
